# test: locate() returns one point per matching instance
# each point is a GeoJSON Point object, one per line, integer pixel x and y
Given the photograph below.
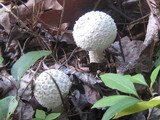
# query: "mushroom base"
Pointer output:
{"type": "Point", "coordinates": [96, 56]}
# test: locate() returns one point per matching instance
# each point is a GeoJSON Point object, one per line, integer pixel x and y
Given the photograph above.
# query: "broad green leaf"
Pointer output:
{"type": "Point", "coordinates": [140, 106]}
{"type": "Point", "coordinates": [119, 82]}
{"type": "Point", "coordinates": [154, 75]}
{"type": "Point", "coordinates": [138, 78]}
{"type": "Point", "coordinates": [52, 116]}
{"type": "Point", "coordinates": [121, 105]}
{"type": "Point", "coordinates": [7, 107]}
{"type": "Point", "coordinates": [25, 62]}
{"type": "Point", "coordinates": [1, 60]}
{"type": "Point", "coordinates": [40, 114]}
{"type": "Point", "coordinates": [109, 101]}
{"type": "Point", "coordinates": [157, 63]}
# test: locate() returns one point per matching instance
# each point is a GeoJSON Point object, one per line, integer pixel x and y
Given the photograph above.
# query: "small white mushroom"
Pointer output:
{"type": "Point", "coordinates": [46, 92]}
{"type": "Point", "coordinates": [95, 31]}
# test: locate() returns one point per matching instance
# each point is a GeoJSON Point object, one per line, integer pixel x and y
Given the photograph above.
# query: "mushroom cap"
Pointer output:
{"type": "Point", "coordinates": [94, 31]}
{"type": "Point", "coordinates": [46, 92]}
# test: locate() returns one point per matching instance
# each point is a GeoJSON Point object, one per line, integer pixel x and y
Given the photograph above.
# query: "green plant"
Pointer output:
{"type": "Point", "coordinates": [157, 62]}
{"type": "Point", "coordinates": [1, 60]}
{"type": "Point", "coordinates": [41, 115]}
{"type": "Point", "coordinates": [25, 62]}
{"type": "Point", "coordinates": [7, 107]}
{"type": "Point", "coordinates": [121, 105]}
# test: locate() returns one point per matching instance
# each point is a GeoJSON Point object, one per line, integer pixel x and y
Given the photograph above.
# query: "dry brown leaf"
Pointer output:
{"type": "Point", "coordinates": [25, 90]}
{"type": "Point", "coordinates": [138, 54]}
{"type": "Point", "coordinates": [86, 78]}
{"type": "Point", "coordinates": [72, 11]}
{"type": "Point", "coordinates": [135, 58]}
{"type": "Point", "coordinates": [67, 38]}
{"type": "Point", "coordinates": [4, 19]}
{"type": "Point", "coordinates": [8, 85]}
{"type": "Point", "coordinates": [152, 31]}
{"type": "Point", "coordinates": [30, 8]}
{"type": "Point", "coordinates": [92, 95]}
{"type": "Point", "coordinates": [24, 111]}
{"type": "Point", "coordinates": [27, 11]}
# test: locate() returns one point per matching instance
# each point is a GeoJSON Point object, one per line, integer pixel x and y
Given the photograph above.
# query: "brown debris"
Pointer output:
{"type": "Point", "coordinates": [35, 26]}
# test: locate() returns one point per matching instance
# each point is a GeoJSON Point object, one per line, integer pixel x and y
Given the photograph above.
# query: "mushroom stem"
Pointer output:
{"type": "Point", "coordinates": [96, 56]}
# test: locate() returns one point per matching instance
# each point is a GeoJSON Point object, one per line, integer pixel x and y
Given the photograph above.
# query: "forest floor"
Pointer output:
{"type": "Point", "coordinates": [36, 25]}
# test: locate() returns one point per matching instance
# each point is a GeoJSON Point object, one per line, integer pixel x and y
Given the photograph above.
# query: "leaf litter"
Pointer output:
{"type": "Point", "coordinates": [33, 25]}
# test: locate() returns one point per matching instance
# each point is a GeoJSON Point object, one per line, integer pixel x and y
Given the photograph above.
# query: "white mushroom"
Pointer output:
{"type": "Point", "coordinates": [95, 31]}
{"type": "Point", "coordinates": [46, 92]}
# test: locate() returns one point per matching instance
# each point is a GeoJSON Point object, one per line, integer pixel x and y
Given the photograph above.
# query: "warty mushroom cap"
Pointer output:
{"type": "Point", "coordinates": [46, 92]}
{"type": "Point", "coordinates": [94, 31]}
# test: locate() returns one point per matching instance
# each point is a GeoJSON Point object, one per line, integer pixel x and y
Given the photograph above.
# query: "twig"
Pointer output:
{"type": "Point", "coordinates": [69, 57]}
{"type": "Point", "coordinates": [140, 8]}
{"type": "Point", "coordinates": [60, 22]}
{"type": "Point", "coordinates": [120, 44]}
{"type": "Point", "coordinates": [139, 19]}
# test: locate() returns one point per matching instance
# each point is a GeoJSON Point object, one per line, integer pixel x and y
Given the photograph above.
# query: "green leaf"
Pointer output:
{"type": "Point", "coordinates": [1, 60]}
{"type": "Point", "coordinates": [25, 62]}
{"type": "Point", "coordinates": [121, 105]}
{"type": "Point", "coordinates": [138, 78]}
{"type": "Point", "coordinates": [140, 106]}
{"type": "Point", "coordinates": [157, 63]}
{"type": "Point", "coordinates": [154, 76]}
{"type": "Point", "coordinates": [52, 116]}
{"type": "Point", "coordinates": [7, 107]}
{"type": "Point", "coordinates": [36, 119]}
{"type": "Point", "coordinates": [119, 82]}
{"type": "Point", "coordinates": [109, 101]}
{"type": "Point", "coordinates": [40, 114]}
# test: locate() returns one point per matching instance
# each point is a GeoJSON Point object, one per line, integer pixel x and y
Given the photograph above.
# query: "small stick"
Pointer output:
{"type": "Point", "coordinates": [120, 44]}
{"type": "Point", "coordinates": [60, 22]}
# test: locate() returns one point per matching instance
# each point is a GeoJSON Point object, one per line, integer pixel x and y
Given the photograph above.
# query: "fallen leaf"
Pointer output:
{"type": "Point", "coordinates": [25, 90]}
{"type": "Point", "coordinates": [8, 85]}
{"type": "Point", "coordinates": [138, 54]}
{"type": "Point", "coordinates": [25, 11]}
{"type": "Point", "coordinates": [24, 111]}
{"type": "Point", "coordinates": [72, 11]}
{"type": "Point", "coordinates": [131, 50]}
{"type": "Point", "coordinates": [86, 78]}
{"type": "Point", "coordinates": [92, 95]}
{"type": "Point", "coordinates": [154, 114]}
{"type": "Point", "coordinates": [5, 19]}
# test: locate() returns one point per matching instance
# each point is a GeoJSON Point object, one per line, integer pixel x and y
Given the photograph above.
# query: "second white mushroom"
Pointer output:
{"type": "Point", "coordinates": [46, 91]}
{"type": "Point", "coordinates": [95, 31]}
